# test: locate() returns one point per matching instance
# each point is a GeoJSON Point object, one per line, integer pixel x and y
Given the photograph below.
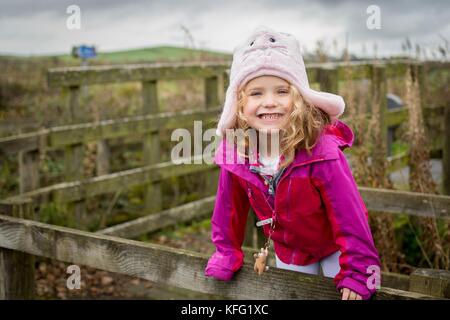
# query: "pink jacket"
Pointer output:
{"type": "Point", "coordinates": [318, 207]}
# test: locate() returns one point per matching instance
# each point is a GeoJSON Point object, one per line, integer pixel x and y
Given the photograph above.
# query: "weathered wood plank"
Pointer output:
{"type": "Point", "coordinates": [328, 77]}
{"type": "Point", "coordinates": [151, 147]}
{"type": "Point", "coordinates": [388, 279]}
{"type": "Point", "coordinates": [74, 154]}
{"type": "Point", "coordinates": [153, 222]}
{"type": "Point", "coordinates": [395, 280]}
{"type": "Point", "coordinates": [17, 268]}
{"type": "Point", "coordinates": [396, 116]}
{"type": "Point", "coordinates": [211, 92]}
{"type": "Point", "coordinates": [397, 70]}
{"type": "Point", "coordinates": [170, 266]}
{"type": "Point", "coordinates": [431, 282]}
{"type": "Point", "coordinates": [359, 69]}
{"type": "Point", "coordinates": [61, 136]}
{"type": "Point", "coordinates": [78, 190]}
{"type": "Point", "coordinates": [412, 203]}
{"type": "Point", "coordinates": [22, 142]}
{"type": "Point", "coordinates": [397, 162]}
{"type": "Point", "coordinates": [28, 170]}
{"type": "Point", "coordinates": [103, 155]}
{"type": "Point", "coordinates": [125, 126]}
{"type": "Point", "coordinates": [76, 76]}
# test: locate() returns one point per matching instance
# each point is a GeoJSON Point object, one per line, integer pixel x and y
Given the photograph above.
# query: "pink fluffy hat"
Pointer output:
{"type": "Point", "coordinates": [268, 52]}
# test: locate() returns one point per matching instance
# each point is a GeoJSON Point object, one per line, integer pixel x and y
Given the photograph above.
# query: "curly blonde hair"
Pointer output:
{"type": "Point", "coordinates": [305, 124]}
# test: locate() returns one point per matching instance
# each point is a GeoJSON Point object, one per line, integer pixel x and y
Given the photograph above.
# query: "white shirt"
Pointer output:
{"type": "Point", "coordinates": [269, 165]}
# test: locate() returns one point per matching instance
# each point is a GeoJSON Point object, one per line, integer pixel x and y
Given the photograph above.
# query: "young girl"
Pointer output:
{"type": "Point", "coordinates": [306, 200]}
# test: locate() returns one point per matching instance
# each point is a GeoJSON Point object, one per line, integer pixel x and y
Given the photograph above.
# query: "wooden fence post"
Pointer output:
{"type": "Point", "coordinates": [212, 95]}
{"type": "Point", "coordinates": [211, 92]}
{"type": "Point", "coordinates": [28, 170]}
{"type": "Point", "coordinates": [432, 282]}
{"type": "Point", "coordinates": [17, 279]}
{"type": "Point", "coordinates": [329, 79]}
{"type": "Point", "coordinates": [421, 74]}
{"type": "Point", "coordinates": [226, 81]}
{"type": "Point", "coordinates": [74, 154]}
{"type": "Point", "coordinates": [103, 156]}
{"type": "Point", "coordinates": [151, 147]}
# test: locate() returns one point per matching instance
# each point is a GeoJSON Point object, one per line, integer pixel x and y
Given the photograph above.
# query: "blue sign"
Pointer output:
{"type": "Point", "coordinates": [84, 52]}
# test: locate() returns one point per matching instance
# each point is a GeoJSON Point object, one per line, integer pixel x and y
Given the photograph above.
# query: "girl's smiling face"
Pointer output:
{"type": "Point", "coordinates": [268, 103]}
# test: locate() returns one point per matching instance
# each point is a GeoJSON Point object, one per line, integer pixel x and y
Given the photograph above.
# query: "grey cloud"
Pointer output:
{"type": "Point", "coordinates": [209, 19]}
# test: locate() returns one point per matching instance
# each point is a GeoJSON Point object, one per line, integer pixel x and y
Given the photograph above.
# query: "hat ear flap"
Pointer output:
{"type": "Point", "coordinates": [228, 116]}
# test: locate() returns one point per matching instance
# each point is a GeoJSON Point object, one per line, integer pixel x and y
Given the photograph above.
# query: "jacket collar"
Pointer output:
{"type": "Point", "coordinates": [335, 135]}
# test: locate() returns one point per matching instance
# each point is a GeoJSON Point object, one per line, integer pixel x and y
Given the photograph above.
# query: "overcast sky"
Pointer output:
{"type": "Point", "coordinates": [39, 27]}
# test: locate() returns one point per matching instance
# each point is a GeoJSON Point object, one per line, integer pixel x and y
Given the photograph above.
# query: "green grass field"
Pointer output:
{"type": "Point", "coordinates": [150, 54]}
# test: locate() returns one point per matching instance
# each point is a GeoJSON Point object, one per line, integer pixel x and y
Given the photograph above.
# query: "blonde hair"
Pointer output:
{"type": "Point", "coordinates": [305, 124]}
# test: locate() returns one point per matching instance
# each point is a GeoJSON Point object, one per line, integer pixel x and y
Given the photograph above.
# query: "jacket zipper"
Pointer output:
{"type": "Point", "coordinates": [285, 174]}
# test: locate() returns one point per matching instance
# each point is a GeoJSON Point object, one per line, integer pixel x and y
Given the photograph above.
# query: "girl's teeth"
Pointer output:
{"type": "Point", "coordinates": [270, 116]}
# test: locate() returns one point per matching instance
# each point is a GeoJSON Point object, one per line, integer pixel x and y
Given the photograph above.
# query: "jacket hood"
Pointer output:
{"type": "Point", "coordinates": [341, 133]}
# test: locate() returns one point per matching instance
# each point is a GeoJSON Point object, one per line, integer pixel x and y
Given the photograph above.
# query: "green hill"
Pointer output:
{"type": "Point", "coordinates": [141, 55]}
{"type": "Point", "coordinates": [155, 54]}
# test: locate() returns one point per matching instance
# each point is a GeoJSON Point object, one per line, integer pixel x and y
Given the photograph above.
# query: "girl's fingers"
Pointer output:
{"type": "Point", "coordinates": [348, 294]}
{"type": "Point", "coordinates": [345, 294]}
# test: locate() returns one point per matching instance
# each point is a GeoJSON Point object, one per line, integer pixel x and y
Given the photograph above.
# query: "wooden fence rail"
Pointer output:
{"type": "Point", "coordinates": [164, 265]}
{"type": "Point", "coordinates": [67, 135]}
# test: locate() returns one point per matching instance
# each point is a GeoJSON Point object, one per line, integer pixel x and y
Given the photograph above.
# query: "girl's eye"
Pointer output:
{"type": "Point", "coordinates": [255, 93]}
{"type": "Point", "coordinates": [283, 92]}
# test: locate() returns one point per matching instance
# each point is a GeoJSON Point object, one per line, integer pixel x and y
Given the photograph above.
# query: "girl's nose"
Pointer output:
{"type": "Point", "coordinates": [269, 100]}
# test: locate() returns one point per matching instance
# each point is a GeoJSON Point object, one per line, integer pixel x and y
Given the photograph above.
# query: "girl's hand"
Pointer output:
{"type": "Point", "coordinates": [348, 294]}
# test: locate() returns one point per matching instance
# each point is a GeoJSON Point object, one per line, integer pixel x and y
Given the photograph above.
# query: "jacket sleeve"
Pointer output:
{"type": "Point", "coordinates": [228, 227]}
{"type": "Point", "coordinates": [348, 216]}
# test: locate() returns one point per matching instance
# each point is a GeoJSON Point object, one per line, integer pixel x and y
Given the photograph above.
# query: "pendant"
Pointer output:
{"type": "Point", "coordinates": [261, 261]}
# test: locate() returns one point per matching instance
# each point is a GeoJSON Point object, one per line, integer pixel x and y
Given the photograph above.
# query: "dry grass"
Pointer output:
{"type": "Point", "coordinates": [370, 165]}
{"type": "Point", "coordinates": [434, 244]}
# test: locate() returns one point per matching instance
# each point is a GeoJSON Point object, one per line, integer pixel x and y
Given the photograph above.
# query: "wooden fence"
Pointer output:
{"type": "Point", "coordinates": [22, 236]}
